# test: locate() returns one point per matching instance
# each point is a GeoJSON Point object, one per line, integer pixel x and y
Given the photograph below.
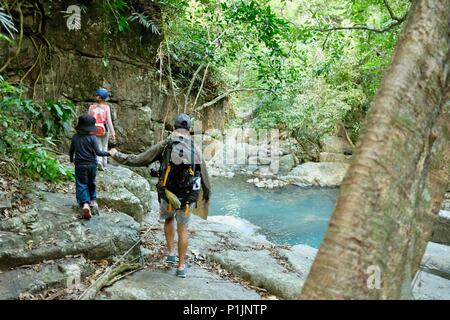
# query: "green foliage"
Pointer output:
{"type": "Point", "coordinates": [329, 77]}
{"type": "Point", "coordinates": [18, 141]}
{"type": "Point", "coordinates": [36, 162]}
{"type": "Point", "coordinates": [7, 24]}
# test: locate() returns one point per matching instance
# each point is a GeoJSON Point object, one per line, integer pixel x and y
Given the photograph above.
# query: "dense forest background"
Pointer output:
{"type": "Point", "coordinates": [309, 68]}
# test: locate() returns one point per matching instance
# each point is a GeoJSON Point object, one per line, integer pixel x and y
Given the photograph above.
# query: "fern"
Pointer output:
{"type": "Point", "coordinates": [7, 22]}
{"type": "Point", "coordinates": [146, 22]}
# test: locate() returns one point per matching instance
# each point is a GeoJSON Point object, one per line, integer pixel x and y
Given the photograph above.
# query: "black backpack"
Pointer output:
{"type": "Point", "coordinates": [179, 170]}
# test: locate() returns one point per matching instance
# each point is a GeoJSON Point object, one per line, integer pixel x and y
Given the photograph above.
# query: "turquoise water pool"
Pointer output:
{"type": "Point", "coordinates": [289, 215]}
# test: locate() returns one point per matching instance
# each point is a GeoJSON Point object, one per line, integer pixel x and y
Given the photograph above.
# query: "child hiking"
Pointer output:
{"type": "Point", "coordinates": [84, 151]}
{"type": "Point", "coordinates": [102, 114]}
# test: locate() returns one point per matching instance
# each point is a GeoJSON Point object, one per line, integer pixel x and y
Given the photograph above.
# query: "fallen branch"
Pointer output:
{"type": "Point", "coordinates": [107, 279]}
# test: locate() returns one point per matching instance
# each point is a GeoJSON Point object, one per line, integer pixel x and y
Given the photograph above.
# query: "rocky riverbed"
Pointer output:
{"type": "Point", "coordinates": [50, 253]}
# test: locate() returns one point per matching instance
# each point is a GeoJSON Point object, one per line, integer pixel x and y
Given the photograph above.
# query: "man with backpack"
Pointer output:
{"type": "Point", "coordinates": [102, 114]}
{"type": "Point", "coordinates": [182, 174]}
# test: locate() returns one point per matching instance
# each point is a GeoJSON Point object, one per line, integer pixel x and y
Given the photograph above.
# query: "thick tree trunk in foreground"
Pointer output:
{"type": "Point", "coordinates": [382, 219]}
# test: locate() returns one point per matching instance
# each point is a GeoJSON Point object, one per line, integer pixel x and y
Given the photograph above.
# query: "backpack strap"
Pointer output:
{"type": "Point", "coordinates": [192, 157]}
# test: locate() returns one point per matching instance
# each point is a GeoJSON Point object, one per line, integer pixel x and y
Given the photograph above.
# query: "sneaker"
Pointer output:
{"type": "Point", "coordinates": [86, 211]}
{"type": "Point", "coordinates": [171, 259]}
{"type": "Point", "coordinates": [94, 208]}
{"type": "Point", "coordinates": [181, 272]}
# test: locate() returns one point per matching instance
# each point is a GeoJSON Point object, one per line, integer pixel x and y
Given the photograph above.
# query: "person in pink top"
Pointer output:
{"type": "Point", "coordinates": [102, 113]}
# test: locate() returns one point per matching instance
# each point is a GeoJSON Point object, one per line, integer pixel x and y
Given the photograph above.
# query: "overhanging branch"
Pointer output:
{"type": "Point", "coordinates": [226, 94]}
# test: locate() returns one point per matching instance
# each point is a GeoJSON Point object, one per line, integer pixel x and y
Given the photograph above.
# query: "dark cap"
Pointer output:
{"type": "Point", "coordinates": [183, 121]}
{"type": "Point", "coordinates": [86, 123]}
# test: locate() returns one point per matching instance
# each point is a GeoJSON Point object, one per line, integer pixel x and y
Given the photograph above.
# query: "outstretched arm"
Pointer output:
{"type": "Point", "coordinates": [98, 152]}
{"type": "Point", "coordinates": [141, 160]}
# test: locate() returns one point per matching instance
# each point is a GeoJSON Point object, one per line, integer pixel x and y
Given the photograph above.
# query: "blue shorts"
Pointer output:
{"type": "Point", "coordinates": [180, 215]}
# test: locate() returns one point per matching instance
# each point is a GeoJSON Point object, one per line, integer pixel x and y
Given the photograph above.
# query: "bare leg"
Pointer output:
{"type": "Point", "coordinates": [169, 232]}
{"type": "Point", "coordinates": [182, 243]}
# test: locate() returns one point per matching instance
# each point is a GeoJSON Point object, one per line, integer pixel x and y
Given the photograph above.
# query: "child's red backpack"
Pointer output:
{"type": "Point", "coordinates": [100, 120]}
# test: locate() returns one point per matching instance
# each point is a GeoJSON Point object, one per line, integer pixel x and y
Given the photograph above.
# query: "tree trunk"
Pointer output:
{"type": "Point", "coordinates": [381, 220]}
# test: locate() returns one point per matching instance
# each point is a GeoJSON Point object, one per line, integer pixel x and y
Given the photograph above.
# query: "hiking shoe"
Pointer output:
{"type": "Point", "coordinates": [94, 208]}
{"type": "Point", "coordinates": [86, 212]}
{"type": "Point", "coordinates": [181, 272]}
{"type": "Point", "coordinates": [171, 259]}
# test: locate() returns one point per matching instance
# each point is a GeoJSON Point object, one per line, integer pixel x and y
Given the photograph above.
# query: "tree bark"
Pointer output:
{"type": "Point", "coordinates": [381, 219]}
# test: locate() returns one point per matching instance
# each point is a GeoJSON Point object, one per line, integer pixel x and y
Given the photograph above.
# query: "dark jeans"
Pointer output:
{"type": "Point", "coordinates": [85, 183]}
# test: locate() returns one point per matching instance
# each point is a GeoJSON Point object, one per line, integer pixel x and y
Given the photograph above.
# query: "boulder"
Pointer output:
{"type": "Point", "coordinates": [65, 272]}
{"type": "Point", "coordinates": [336, 145]}
{"type": "Point", "coordinates": [436, 260]}
{"type": "Point", "coordinates": [121, 189]}
{"type": "Point", "coordinates": [200, 284]}
{"type": "Point", "coordinates": [441, 228]}
{"type": "Point", "coordinates": [262, 270]}
{"type": "Point", "coordinates": [431, 287]}
{"type": "Point", "coordinates": [300, 257]}
{"type": "Point", "coordinates": [53, 230]}
{"type": "Point", "coordinates": [222, 232]}
{"type": "Point", "coordinates": [334, 157]}
{"type": "Point", "coordinates": [446, 202]}
{"type": "Point", "coordinates": [286, 164]}
{"type": "Point", "coordinates": [322, 174]}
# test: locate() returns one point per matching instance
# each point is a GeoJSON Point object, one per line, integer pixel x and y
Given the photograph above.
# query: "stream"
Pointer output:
{"type": "Point", "coordinates": [289, 215]}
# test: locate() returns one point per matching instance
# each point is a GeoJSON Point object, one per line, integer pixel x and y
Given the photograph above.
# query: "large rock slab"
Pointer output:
{"type": "Point", "coordinates": [334, 157]}
{"type": "Point", "coordinates": [220, 233]}
{"type": "Point", "coordinates": [300, 257]}
{"type": "Point", "coordinates": [121, 189]}
{"type": "Point", "coordinates": [285, 164]}
{"type": "Point", "coordinates": [262, 270]}
{"type": "Point", "coordinates": [441, 228]}
{"type": "Point", "coordinates": [66, 272]}
{"type": "Point", "coordinates": [54, 230]}
{"type": "Point", "coordinates": [436, 260]}
{"type": "Point", "coordinates": [334, 144]}
{"type": "Point", "coordinates": [431, 287]}
{"type": "Point", "coordinates": [200, 284]}
{"type": "Point", "coordinates": [321, 174]}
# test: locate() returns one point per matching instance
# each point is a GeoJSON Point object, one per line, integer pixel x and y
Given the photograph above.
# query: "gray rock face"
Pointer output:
{"type": "Point", "coordinates": [334, 157]}
{"type": "Point", "coordinates": [164, 285]}
{"type": "Point", "coordinates": [334, 144]}
{"type": "Point", "coordinates": [322, 174]}
{"type": "Point", "coordinates": [54, 230]}
{"type": "Point", "coordinates": [67, 272]}
{"type": "Point", "coordinates": [5, 201]}
{"type": "Point", "coordinates": [300, 257]}
{"type": "Point", "coordinates": [141, 103]}
{"type": "Point", "coordinates": [286, 164]}
{"type": "Point", "coordinates": [436, 260]}
{"type": "Point", "coordinates": [441, 228]}
{"type": "Point", "coordinates": [123, 190]}
{"type": "Point", "coordinates": [431, 287]}
{"type": "Point", "coordinates": [262, 270]}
